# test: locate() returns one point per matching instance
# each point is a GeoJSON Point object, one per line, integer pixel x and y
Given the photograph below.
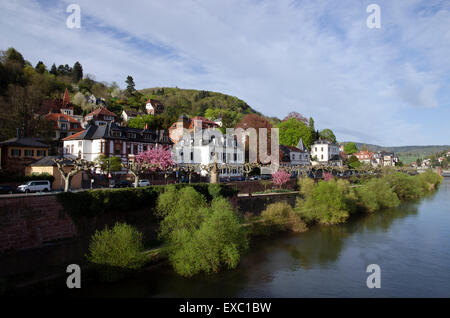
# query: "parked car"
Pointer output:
{"type": "Point", "coordinates": [5, 189]}
{"type": "Point", "coordinates": [266, 177]}
{"type": "Point", "coordinates": [35, 186]}
{"type": "Point", "coordinates": [143, 183]}
{"type": "Point", "coordinates": [123, 184]}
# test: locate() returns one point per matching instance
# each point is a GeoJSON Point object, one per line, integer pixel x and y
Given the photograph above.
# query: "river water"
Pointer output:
{"type": "Point", "coordinates": [411, 244]}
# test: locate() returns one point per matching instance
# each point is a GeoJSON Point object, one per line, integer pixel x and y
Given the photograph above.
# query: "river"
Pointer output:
{"type": "Point", "coordinates": [411, 244]}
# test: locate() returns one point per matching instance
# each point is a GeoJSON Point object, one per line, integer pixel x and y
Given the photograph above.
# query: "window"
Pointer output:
{"type": "Point", "coordinates": [192, 155]}
{"type": "Point", "coordinates": [321, 149]}
{"type": "Point", "coordinates": [63, 126]}
{"type": "Point", "coordinates": [131, 135]}
{"type": "Point", "coordinates": [224, 157]}
{"type": "Point", "coordinates": [40, 153]}
{"type": "Point", "coordinates": [315, 148]}
{"type": "Point", "coordinates": [80, 144]}
{"type": "Point", "coordinates": [29, 153]}
{"type": "Point", "coordinates": [75, 125]}
{"type": "Point", "coordinates": [71, 149]}
{"type": "Point", "coordinates": [16, 152]}
{"type": "Point", "coordinates": [115, 133]}
{"type": "Point", "coordinates": [321, 156]}
{"type": "Point", "coordinates": [235, 157]}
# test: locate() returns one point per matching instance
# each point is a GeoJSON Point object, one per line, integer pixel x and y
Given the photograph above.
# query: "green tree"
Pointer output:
{"type": "Point", "coordinates": [77, 72]}
{"type": "Point", "coordinates": [350, 148]}
{"type": "Point", "coordinates": [353, 162]}
{"type": "Point", "coordinates": [109, 164]}
{"type": "Point", "coordinates": [142, 120]}
{"type": "Point", "coordinates": [328, 135]}
{"type": "Point", "coordinates": [53, 70]}
{"type": "Point", "coordinates": [130, 90]}
{"type": "Point", "coordinates": [292, 130]}
{"type": "Point", "coordinates": [40, 67]}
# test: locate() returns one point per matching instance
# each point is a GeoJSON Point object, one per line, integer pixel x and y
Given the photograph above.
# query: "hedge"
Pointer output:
{"type": "Point", "coordinates": [95, 202]}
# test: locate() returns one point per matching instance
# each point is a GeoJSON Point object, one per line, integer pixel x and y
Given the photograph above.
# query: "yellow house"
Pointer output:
{"type": "Point", "coordinates": [47, 165]}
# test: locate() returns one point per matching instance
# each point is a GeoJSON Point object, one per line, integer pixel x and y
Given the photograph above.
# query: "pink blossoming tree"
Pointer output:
{"type": "Point", "coordinates": [327, 176]}
{"type": "Point", "coordinates": [154, 159]}
{"type": "Point", "coordinates": [280, 177]}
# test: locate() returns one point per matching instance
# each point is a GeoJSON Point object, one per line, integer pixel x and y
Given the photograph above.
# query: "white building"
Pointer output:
{"type": "Point", "coordinates": [207, 146]}
{"type": "Point", "coordinates": [326, 152]}
{"type": "Point", "coordinates": [113, 140]}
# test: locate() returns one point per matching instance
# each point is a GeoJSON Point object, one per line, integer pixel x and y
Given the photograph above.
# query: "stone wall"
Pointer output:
{"type": "Point", "coordinates": [32, 220]}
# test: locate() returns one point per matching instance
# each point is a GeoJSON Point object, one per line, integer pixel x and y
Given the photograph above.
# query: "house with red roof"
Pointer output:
{"type": "Point", "coordinates": [100, 117]}
{"type": "Point", "coordinates": [154, 107]}
{"type": "Point", "coordinates": [63, 124]}
{"type": "Point", "coordinates": [185, 123]}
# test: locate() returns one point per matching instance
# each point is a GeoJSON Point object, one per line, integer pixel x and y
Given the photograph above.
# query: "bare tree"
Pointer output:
{"type": "Point", "coordinates": [76, 165]}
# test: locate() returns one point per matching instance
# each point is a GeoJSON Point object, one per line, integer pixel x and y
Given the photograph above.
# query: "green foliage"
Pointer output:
{"type": "Point", "coordinates": [109, 164]}
{"type": "Point", "coordinates": [376, 194]}
{"type": "Point", "coordinates": [292, 130]}
{"type": "Point", "coordinates": [92, 203]}
{"type": "Point", "coordinates": [120, 246]}
{"type": "Point", "coordinates": [350, 148]}
{"type": "Point", "coordinates": [405, 186]}
{"type": "Point", "coordinates": [329, 202]}
{"type": "Point", "coordinates": [7, 177]}
{"type": "Point", "coordinates": [199, 237]}
{"type": "Point", "coordinates": [306, 186]}
{"type": "Point", "coordinates": [353, 162]}
{"type": "Point", "coordinates": [431, 179]}
{"type": "Point", "coordinates": [328, 135]}
{"type": "Point", "coordinates": [280, 216]}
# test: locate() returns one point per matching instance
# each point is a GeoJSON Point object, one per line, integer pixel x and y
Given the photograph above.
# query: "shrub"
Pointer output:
{"type": "Point", "coordinates": [120, 246]}
{"type": "Point", "coordinates": [188, 210]}
{"type": "Point", "coordinates": [202, 238]}
{"type": "Point", "coordinates": [306, 186]}
{"type": "Point", "coordinates": [280, 216]}
{"type": "Point", "coordinates": [432, 180]}
{"type": "Point", "coordinates": [405, 186]}
{"type": "Point", "coordinates": [376, 194]}
{"type": "Point", "coordinates": [327, 203]}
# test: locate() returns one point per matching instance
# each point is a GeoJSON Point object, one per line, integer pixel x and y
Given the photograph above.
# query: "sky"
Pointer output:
{"type": "Point", "coordinates": [387, 86]}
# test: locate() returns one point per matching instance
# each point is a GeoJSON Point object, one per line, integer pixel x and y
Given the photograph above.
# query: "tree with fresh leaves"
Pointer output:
{"type": "Point", "coordinates": [291, 130]}
{"type": "Point", "coordinates": [108, 164]}
{"type": "Point", "coordinates": [350, 148]}
{"type": "Point", "coordinates": [327, 134]}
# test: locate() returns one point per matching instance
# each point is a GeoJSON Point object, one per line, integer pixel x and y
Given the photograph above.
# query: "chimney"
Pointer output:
{"type": "Point", "coordinates": [19, 133]}
{"type": "Point", "coordinates": [146, 126]}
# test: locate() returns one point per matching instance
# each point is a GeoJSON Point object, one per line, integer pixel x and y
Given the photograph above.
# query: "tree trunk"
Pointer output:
{"type": "Point", "coordinates": [67, 183]}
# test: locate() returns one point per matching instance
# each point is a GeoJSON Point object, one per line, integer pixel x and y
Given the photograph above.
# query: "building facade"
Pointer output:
{"type": "Point", "coordinates": [113, 140]}
{"type": "Point", "coordinates": [326, 152]}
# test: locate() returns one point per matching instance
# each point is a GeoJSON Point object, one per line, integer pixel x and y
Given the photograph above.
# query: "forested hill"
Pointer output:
{"type": "Point", "coordinates": [199, 103]}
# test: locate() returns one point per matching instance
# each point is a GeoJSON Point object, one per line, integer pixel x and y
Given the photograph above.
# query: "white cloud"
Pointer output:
{"type": "Point", "coordinates": [319, 59]}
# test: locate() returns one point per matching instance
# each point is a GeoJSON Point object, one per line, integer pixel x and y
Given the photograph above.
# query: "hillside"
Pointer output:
{"type": "Point", "coordinates": [407, 154]}
{"type": "Point", "coordinates": [196, 102]}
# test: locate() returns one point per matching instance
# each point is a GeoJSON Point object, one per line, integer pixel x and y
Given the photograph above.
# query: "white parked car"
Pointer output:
{"type": "Point", "coordinates": [35, 186]}
{"type": "Point", "coordinates": [144, 183]}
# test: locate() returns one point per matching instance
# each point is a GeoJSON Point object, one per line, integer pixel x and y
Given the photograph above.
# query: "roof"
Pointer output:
{"type": "Point", "coordinates": [132, 112]}
{"type": "Point", "coordinates": [25, 142]}
{"type": "Point", "coordinates": [55, 117]}
{"type": "Point", "coordinates": [101, 111]}
{"type": "Point", "coordinates": [46, 161]}
{"type": "Point", "coordinates": [74, 136]}
{"type": "Point", "coordinates": [93, 132]}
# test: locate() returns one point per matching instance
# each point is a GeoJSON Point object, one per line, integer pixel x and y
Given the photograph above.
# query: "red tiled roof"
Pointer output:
{"type": "Point", "coordinates": [74, 136]}
{"type": "Point", "coordinates": [54, 117]}
{"type": "Point", "coordinates": [101, 111]}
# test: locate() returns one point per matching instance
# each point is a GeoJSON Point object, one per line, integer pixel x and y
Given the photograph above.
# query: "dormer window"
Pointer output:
{"type": "Point", "coordinates": [116, 133]}
{"type": "Point", "coordinates": [131, 135]}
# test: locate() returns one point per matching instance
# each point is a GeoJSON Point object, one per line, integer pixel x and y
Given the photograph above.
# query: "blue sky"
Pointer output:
{"type": "Point", "coordinates": [387, 86]}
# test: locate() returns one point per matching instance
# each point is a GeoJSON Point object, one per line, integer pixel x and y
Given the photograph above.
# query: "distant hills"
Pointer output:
{"type": "Point", "coordinates": [407, 154]}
